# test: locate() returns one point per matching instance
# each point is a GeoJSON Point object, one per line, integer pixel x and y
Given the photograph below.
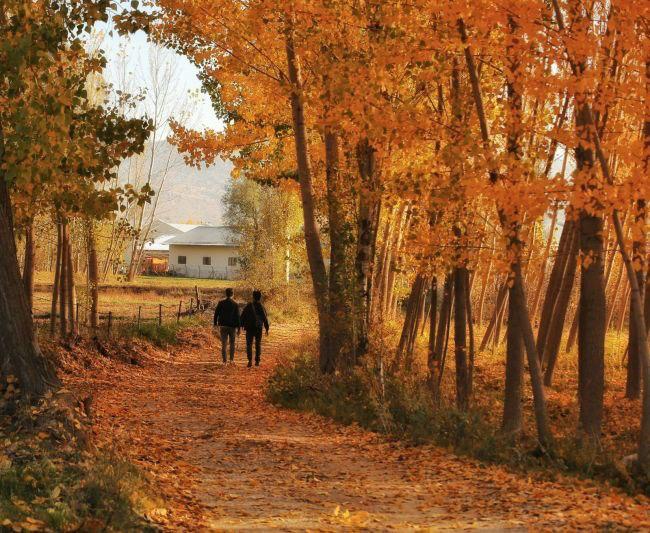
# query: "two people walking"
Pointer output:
{"type": "Point", "coordinates": [230, 322]}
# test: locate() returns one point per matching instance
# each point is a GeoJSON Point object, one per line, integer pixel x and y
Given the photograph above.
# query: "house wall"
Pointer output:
{"type": "Point", "coordinates": [219, 269]}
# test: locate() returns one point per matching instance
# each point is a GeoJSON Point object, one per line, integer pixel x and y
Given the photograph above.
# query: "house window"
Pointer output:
{"type": "Point", "coordinates": [182, 260]}
{"type": "Point", "coordinates": [207, 261]}
{"type": "Point", "coordinates": [232, 261]}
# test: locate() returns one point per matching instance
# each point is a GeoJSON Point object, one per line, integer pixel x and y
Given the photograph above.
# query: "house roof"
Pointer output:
{"type": "Point", "coordinates": [207, 236]}
{"type": "Point", "coordinates": [182, 228]}
{"type": "Point", "coordinates": [159, 244]}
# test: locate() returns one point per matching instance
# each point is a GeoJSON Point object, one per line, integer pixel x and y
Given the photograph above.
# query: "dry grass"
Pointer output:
{"type": "Point", "coordinates": [621, 417]}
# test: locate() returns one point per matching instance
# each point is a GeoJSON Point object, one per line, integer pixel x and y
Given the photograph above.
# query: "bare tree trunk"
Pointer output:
{"type": "Point", "coordinates": [496, 314]}
{"type": "Point", "coordinates": [57, 279]}
{"type": "Point", "coordinates": [390, 300]}
{"type": "Point", "coordinates": [555, 283]}
{"type": "Point", "coordinates": [442, 336]}
{"type": "Point", "coordinates": [614, 301]}
{"type": "Point", "coordinates": [542, 269]}
{"type": "Point", "coordinates": [93, 276]}
{"type": "Point", "coordinates": [484, 285]}
{"type": "Point", "coordinates": [512, 405]}
{"type": "Point", "coordinates": [312, 236]}
{"type": "Point", "coordinates": [71, 294]}
{"type": "Point", "coordinates": [19, 352]}
{"type": "Point", "coordinates": [463, 386]}
{"type": "Point", "coordinates": [433, 318]}
{"type": "Point", "coordinates": [592, 304]}
{"type": "Point", "coordinates": [558, 319]}
{"type": "Point", "coordinates": [63, 282]}
{"type": "Point", "coordinates": [28, 265]}
{"type": "Point", "coordinates": [635, 357]}
{"type": "Point", "coordinates": [412, 310]}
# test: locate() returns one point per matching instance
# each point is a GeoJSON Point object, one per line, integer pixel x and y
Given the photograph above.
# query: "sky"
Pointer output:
{"type": "Point", "coordinates": [188, 194]}
{"type": "Point", "coordinates": [137, 50]}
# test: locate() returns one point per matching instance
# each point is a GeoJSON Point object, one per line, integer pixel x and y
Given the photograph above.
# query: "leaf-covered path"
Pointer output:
{"type": "Point", "coordinates": [225, 459]}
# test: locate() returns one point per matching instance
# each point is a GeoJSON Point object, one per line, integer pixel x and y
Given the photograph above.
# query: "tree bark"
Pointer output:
{"type": "Point", "coordinates": [544, 434]}
{"type": "Point", "coordinates": [341, 272]}
{"type": "Point", "coordinates": [28, 265]}
{"type": "Point", "coordinates": [312, 236]}
{"type": "Point", "coordinates": [71, 289]}
{"type": "Point", "coordinates": [93, 277]}
{"type": "Point", "coordinates": [57, 280]}
{"type": "Point", "coordinates": [592, 303]}
{"type": "Point", "coordinates": [369, 210]}
{"type": "Point", "coordinates": [542, 269]}
{"type": "Point", "coordinates": [512, 405]}
{"type": "Point", "coordinates": [19, 352]}
{"type": "Point", "coordinates": [433, 322]}
{"type": "Point", "coordinates": [555, 283]}
{"type": "Point", "coordinates": [558, 320]}
{"type": "Point", "coordinates": [463, 386]}
{"type": "Point", "coordinates": [63, 282]}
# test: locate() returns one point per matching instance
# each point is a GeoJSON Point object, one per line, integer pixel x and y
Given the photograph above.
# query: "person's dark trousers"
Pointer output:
{"type": "Point", "coordinates": [227, 335]}
{"type": "Point", "coordinates": [254, 335]}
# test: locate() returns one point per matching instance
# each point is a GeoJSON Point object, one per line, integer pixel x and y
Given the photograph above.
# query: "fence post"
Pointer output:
{"type": "Point", "coordinates": [77, 317]}
{"type": "Point", "coordinates": [110, 322]}
{"type": "Point", "coordinates": [191, 304]}
{"type": "Point", "coordinates": [180, 307]}
{"type": "Point", "coordinates": [160, 314]}
{"type": "Point", "coordinates": [139, 316]}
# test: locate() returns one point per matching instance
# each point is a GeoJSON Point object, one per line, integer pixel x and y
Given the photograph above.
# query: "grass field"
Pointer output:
{"type": "Point", "coordinates": [127, 300]}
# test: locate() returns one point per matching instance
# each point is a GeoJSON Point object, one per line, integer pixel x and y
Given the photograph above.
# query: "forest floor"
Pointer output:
{"type": "Point", "coordinates": [223, 458]}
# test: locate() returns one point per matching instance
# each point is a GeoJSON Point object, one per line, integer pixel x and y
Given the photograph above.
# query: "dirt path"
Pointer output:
{"type": "Point", "coordinates": [225, 459]}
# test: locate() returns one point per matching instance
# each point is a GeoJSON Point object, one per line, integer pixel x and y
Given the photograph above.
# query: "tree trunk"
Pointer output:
{"type": "Point", "coordinates": [539, 399]}
{"type": "Point", "coordinates": [484, 285]}
{"type": "Point", "coordinates": [369, 209]}
{"type": "Point", "coordinates": [20, 355]}
{"type": "Point", "coordinates": [544, 434]}
{"type": "Point", "coordinates": [463, 386]}
{"type": "Point", "coordinates": [341, 272]}
{"type": "Point", "coordinates": [71, 294]}
{"type": "Point", "coordinates": [57, 280]}
{"type": "Point", "coordinates": [312, 236]}
{"type": "Point", "coordinates": [592, 303]}
{"type": "Point", "coordinates": [442, 335]}
{"type": "Point", "coordinates": [555, 283]}
{"type": "Point", "coordinates": [558, 319]}
{"type": "Point", "coordinates": [496, 314]}
{"type": "Point", "coordinates": [542, 269]}
{"type": "Point", "coordinates": [28, 266]}
{"type": "Point", "coordinates": [512, 405]}
{"type": "Point", "coordinates": [389, 299]}
{"type": "Point", "coordinates": [432, 363]}
{"type": "Point", "coordinates": [63, 281]}
{"type": "Point", "coordinates": [634, 361]}
{"type": "Point", "coordinates": [93, 277]}
{"type": "Point", "coordinates": [412, 310]}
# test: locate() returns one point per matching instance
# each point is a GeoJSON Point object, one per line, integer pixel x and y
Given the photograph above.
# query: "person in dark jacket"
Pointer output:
{"type": "Point", "coordinates": [253, 320]}
{"type": "Point", "coordinates": [226, 318]}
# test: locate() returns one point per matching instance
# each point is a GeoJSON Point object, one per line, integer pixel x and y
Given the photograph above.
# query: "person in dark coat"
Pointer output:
{"type": "Point", "coordinates": [226, 318]}
{"type": "Point", "coordinates": [253, 320]}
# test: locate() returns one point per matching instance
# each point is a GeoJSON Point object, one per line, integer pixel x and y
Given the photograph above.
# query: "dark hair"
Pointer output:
{"type": "Point", "coordinates": [257, 295]}
{"type": "Point", "coordinates": [229, 292]}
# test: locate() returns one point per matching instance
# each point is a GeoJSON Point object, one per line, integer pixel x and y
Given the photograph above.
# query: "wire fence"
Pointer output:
{"type": "Point", "coordinates": [120, 319]}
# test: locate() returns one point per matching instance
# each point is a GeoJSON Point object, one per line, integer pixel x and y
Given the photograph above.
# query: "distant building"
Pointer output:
{"type": "Point", "coordinates": [210, 252]}
{"type": "Point", "coordinates": [155, 257]}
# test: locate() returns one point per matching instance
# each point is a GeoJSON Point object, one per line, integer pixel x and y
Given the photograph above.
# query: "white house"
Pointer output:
{"type": "Point", "coordinates": [155, 258]}
{"type": "Point", "coordinates": [205, 252]}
